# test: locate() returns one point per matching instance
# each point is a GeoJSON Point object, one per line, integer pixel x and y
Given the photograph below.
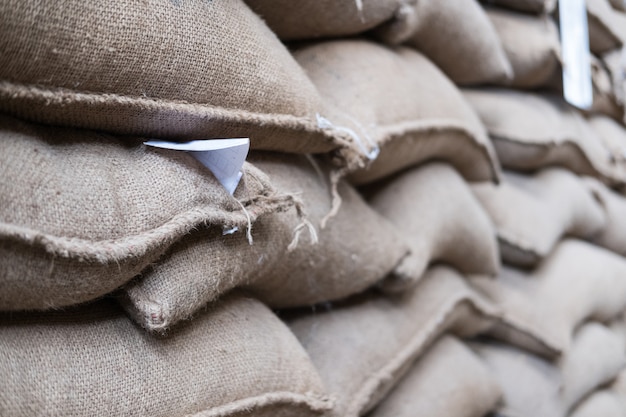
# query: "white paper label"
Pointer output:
{"type": "Point", "coordinates": [224, 157]}
{"type": "Point", "coordinates": [577, 87]}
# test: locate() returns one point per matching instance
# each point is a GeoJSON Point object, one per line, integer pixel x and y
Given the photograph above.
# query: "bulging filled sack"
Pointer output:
{"type": "Point", "coordinates": [236, 359]}
{"type": "Point", "coordinates": [455, 34]}
{"type": "Point", "coordinates": [531, 44]}
{"type": "Point", "coordinates": [597, 356]}
{"type": "Point", "coordinates": [82, 212]}
{"type": "Point", "coordinates": [612, 135]}
{"type": "Point", "coordinates": [310, 19]}
{"type": "Point", "coordinates": [577, 282]}
{"type": "Point", "coordinates": [613, 235]}
{"type": "Point", "coordinates": [536, 387]}
{"type": "Point", "coordinates": [362, 347]}
{"type": "Point", "coordinates": [356, 249]}
{"type": "Point", "coordinates": [615, 63]}
{"type": "Point", "coordinates": [193, 69]}
{"type": "Point", "coordinates": [605, 94]}
{"type": "Point", "coordinates": [533, 212]}
{"type": "Point", "coordinates": [434, 209]}
{"type": "Point", "coordinates": [448, 380]}
{"type": "Point", "coordinates": [531, 131]}
{"type": "Point", "coordinates": [530, 384]}
{"type": "Point", "coordinates": [398, 101]}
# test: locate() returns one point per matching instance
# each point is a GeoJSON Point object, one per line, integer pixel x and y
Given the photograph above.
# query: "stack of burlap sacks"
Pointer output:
{"type": "Point", "coordinates": [374, 260]}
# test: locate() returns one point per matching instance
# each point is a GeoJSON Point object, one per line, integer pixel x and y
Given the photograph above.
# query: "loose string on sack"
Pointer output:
{"type": "Point", "coordinates": [336, 175]}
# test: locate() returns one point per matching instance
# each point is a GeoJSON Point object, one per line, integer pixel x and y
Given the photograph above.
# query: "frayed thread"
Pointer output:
{"type": "Point", "coordinates": [249, 221]}
{"type": "Point", "coordinates": [305, 224]}
{"type": "Point", "coordinates": [335, 177]}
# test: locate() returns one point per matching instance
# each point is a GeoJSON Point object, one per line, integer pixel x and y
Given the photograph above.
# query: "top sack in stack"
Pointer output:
{"type": "Point", "coordinates": [396, 100]}
{"type": "Point", "coordinates": [455, 34]}
{"type": "Point", "coordinates": [193, 69]}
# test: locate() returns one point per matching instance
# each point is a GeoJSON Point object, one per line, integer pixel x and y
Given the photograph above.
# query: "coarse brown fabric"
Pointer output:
{"type": "Point", "coordinates": [577, 282]}
{"type": "Point", "coordinates": [531, 131]}
{"type": "Point", "coordinates": [531, 44]}
{"type": "Point", "coordinates": [81, 213]}
{"type": "Point", "coordinates": [363, 347]}
{"type": "Point", "coordinates": [536, 387]}
{"type": "Point", "coordinates": [533, 212]}
{"type": "Point", "coordinates": [455, 35]}
{"type": "Point", "coordinates": [193, 69]}
{"type": "Point", "coordinates": [612, 135]}
{"type": "Point", "coordinates": [413, 116]}
{"type": "Point", "coordinates": [356, 249]}
{"type": "Point", "coordinates": [435, 210]}
{"type": "Point", "coordinates": [613, 235]}
{"type": "Point", "coordinates": [607, 26]}
{"type": "Point", "coordinates": [236, 359]}
{"type": "Point", "coordinates": [530, 384]}
{"type": "Point", "coordinates": [310, 19]}
{"type": "Point", "coordinates": [527, 6]}
{"type": "Point", "coordinates": [448, 380]}
{"type": "Point", "coordinates": [597, 356]}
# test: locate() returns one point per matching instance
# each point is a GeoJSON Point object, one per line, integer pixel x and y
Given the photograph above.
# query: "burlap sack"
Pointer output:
{"type": "Point", "coordinates": [605, 101]}
{"type": "Point", "coordinates": [527, 6]}
{"type": "Point", "coordinates": [531, 44]}
{"type": "Point", "coordinates": [600, 403]}
{"type": "Point", "coordinates": [613, 235]}
{"type": "Point", "coordinates": [596, 357]}
{"type": "Point", "coordinates": [356, 249]}
{"type": "Point", "coordinates": [533, 212]}
{"type": "Point", "coordinates": [196, 69]}
{"type": "Point", "coordinates": [612, 135]}
{"type": "Point", "coordinates": [577, 282]}
{"type": "Point", "coordinates": [310, 19]}
{"type": "Point", "coordinates": [82, 213]}
{"type": "Point", "coordinates": [449, 380]}
{"type": "Point", "coordinates": [413, 116]}
{"type": "Point", "coordinates": [615, 63]}
{"type": "Point", "coordinates": [456, 35]}
{"type": "Point", "coordinates": [237, 359]}
{"type": "Point", "coordinates": [531, 385]}
{"type": "Point", "coordinates": [535, 387]}
{"type": "Point", "coordinates": [607, 26]}
{"type": "Point", "coordinates": [363, 347]}
{"type": "Point", "coordinates": [531, 131]}
{"type": "Point", "coordinates": [440, 218]}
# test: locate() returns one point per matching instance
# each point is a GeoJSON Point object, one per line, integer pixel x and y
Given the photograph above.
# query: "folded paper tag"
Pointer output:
{"type": "Point", "coordinates": [576, 57]}
{"type": "Point", "coordinates": [223, 157]}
